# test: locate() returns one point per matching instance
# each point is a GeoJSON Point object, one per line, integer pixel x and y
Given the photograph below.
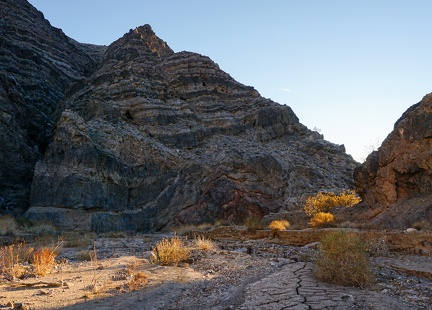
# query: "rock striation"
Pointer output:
{"type": "Point", "coordinates": [396, 181]}
{"type": "Point", "coordinates": [145, 138]}
{"type": "Point", "coordinates": [37, 63]}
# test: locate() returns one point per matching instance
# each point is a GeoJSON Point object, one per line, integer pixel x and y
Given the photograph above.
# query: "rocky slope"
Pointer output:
{"type": "Point", "coordinates": [37, 63]}
{"type": "Point", "coordinates": [146, 138]}
{"type": "Point", "coordinates": [396, 181]}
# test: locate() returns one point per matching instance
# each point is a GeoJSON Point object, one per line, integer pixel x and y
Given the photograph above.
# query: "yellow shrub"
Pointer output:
{"type": "Point", "coordinates": [279, 225]}
{"type": "Point", "coordinates": [170, 251]}
{"type": "Point", "coordinates": [322, 219]}
{"type": "Point", "coordinates": [343, 260]}
{"type": "Point", "coordinates": [205, 244]}
{"type": "Point", "coordinates": [322, 202]}
{"type": "Point", "coordinates": [43, 260]}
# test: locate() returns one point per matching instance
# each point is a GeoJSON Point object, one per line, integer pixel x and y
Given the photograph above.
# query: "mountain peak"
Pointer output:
{"type": "Point", "coordinates": [139, 42]}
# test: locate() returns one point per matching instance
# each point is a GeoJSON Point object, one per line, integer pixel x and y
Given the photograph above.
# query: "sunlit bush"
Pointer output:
{"type": "Point", "coordinates": [279, 225]}
{"type": "Point", "coordinates": [322, 202]}
{"type": "Point", "coordinates": [205, 244]}
{"type": "Point", "coordinates": [322, 219]}
{"type": "Point", "coordinates": [43, 260]}
{"type": "Point", "coordinates": [170, 251]}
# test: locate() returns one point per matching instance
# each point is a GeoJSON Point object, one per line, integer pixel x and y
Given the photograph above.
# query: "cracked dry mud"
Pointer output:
{"type": "Point", "coordinates": [272, 276]}
{"type": "Point", "coordinates": [294, 287]}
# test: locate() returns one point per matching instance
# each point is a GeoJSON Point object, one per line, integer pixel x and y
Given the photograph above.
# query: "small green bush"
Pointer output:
{"type": "Point", "coordinates": [343, 260]}
{"type": "Point", "coordinates": [252, 223]}
{"type": "Point", "coordinates": [8, 226]}
{"type": "Point", "coordinates": [44, 229]}
{"type": "Point", "coordinates": [86, 255]}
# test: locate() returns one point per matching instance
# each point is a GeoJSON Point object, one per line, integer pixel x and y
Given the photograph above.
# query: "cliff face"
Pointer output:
{"type": "Point", "coordinates": [37, 63]}
{"type": "Point", "coordinates": [146, 138]}
{"type": "Point", "coordinates": [396, 180]}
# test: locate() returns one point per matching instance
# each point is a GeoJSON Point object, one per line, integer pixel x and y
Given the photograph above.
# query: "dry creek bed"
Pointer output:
{"type": "Point", "coordinates": [239, 275]}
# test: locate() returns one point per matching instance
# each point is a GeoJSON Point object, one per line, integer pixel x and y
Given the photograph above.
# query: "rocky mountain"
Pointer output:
{"type": "Point", "coordinates": [396, 181]}
{"type": "Point", "coordinates": [37, 63]}
{"type": "Point", "coordinates": [145, 138]}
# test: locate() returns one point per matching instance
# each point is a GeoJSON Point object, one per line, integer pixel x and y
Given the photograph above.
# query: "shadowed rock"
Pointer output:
{"type": "Point", "coordinates": [134, 136]}
{"type": "Point", "coordinates": [396, 180]}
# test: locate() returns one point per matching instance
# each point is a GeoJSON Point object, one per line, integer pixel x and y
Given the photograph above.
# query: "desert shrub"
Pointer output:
{"type": "Point", "coordinates": [422, 225]}
{"type": "Point", "coordinates": [343, 260]}
{"type": "Point", "coordinates": [170, 251]}
{"type": "Point", "coordinates": [279, 225]}
{"type": "Point", "coordinates": [11, 259]}
{"type": "Point", "coordinates": [43, 260]}
{"type": "Point", "coordinates": [252, 223]}
{"type": "Point", "coordinates": [205, 244]}
{"type": "Point", "coordinates": [185, 230]}
{"type": "Point", "coordinates": [322, 220]}
{"type": "Point", "coordinates": [114, 234]}
{"type": "Point", "coordinates": [77, 239]}
{"type": "Point", "coordinates": [86, 255]}
{"type": "Point", "coordinates": [8, 226]}
{"type": "Point", "coordinates": [223, 222]}
{"type": "Point", "coordinates": [322, 202]}
{"type": "Point", "coordinates": [138, 280]}
{"type": "Point", "coordinates": [43, 229]}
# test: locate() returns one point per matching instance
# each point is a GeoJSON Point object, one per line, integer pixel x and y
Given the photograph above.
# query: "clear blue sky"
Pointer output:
{"type": "Point", "coordinates": [348, 68]}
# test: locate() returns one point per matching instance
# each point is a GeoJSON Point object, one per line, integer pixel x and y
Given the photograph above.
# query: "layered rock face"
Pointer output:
{"type": "Point", "coordinates": [146, 138]}
{"type": "Point", "coordinates": [156, 138]}
{"type": "Point", "coordinates": [396, 180]}
{"type": "Point", "coordinates": [37, 63]}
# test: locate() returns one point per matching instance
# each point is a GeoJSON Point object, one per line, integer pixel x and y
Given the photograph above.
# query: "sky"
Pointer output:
{"type": "Point", "coordinates": [348, 69]}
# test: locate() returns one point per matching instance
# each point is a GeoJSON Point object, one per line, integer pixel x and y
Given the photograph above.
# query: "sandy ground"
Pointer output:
{"type": "Point", "coordinates": [238, 275]}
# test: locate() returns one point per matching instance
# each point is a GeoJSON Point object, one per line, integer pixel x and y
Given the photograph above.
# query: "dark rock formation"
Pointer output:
{"type": "Point", "coordinates": [146, 138]}
{"type": "Point", "coordinates": [37, 63]}
{"type": "Point", "coordinates": [396, 180]}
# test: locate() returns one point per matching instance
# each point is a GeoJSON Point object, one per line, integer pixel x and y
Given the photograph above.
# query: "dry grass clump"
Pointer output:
{"type": "Point", "coordinates": [170, 251]}
{"type": "Point", "coordinates": [185, 230]}
{"type": "Point", "coordinates": [252, 223]}
{"type": "Point", "coordinates": [422, 225]}
{"type": "Point", "coordinates": [77, 240]}
{"type": "Point", "coordinates": [279, 225]}
{"type": "Point", "coordinates": [205, 244]}
{"type": "Point", "coordinates": [12, 258]}
{"type": "Point", "coordinates": [86, 255]}
{"type": "Point", "coordinates": [322, 220]}
{"type": "Point", "coordinates": [322, 201]}
{"type": "Point", "coordinates": [43, 260]}
{"type": "Point", "coordinates": [138, 280]}
{"type": "Point", "coordinates": [114, 234]}
{"type": "Point", "coordinates": [44, 229]}
{"type": "Point", "coordinates": [8, 226]}
{"type": "Point", "coordinates": [343, 260]}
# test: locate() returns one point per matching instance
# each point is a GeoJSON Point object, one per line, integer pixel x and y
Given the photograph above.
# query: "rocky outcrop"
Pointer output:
{"type": "Point", "coordinates": [155, 138]}
{"type": "Point", "coordinates": [396, 181]}
{"type": "Point", "coordinates": [137, 137]}
{"type": "Point", "coordinates": [37, 63]}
